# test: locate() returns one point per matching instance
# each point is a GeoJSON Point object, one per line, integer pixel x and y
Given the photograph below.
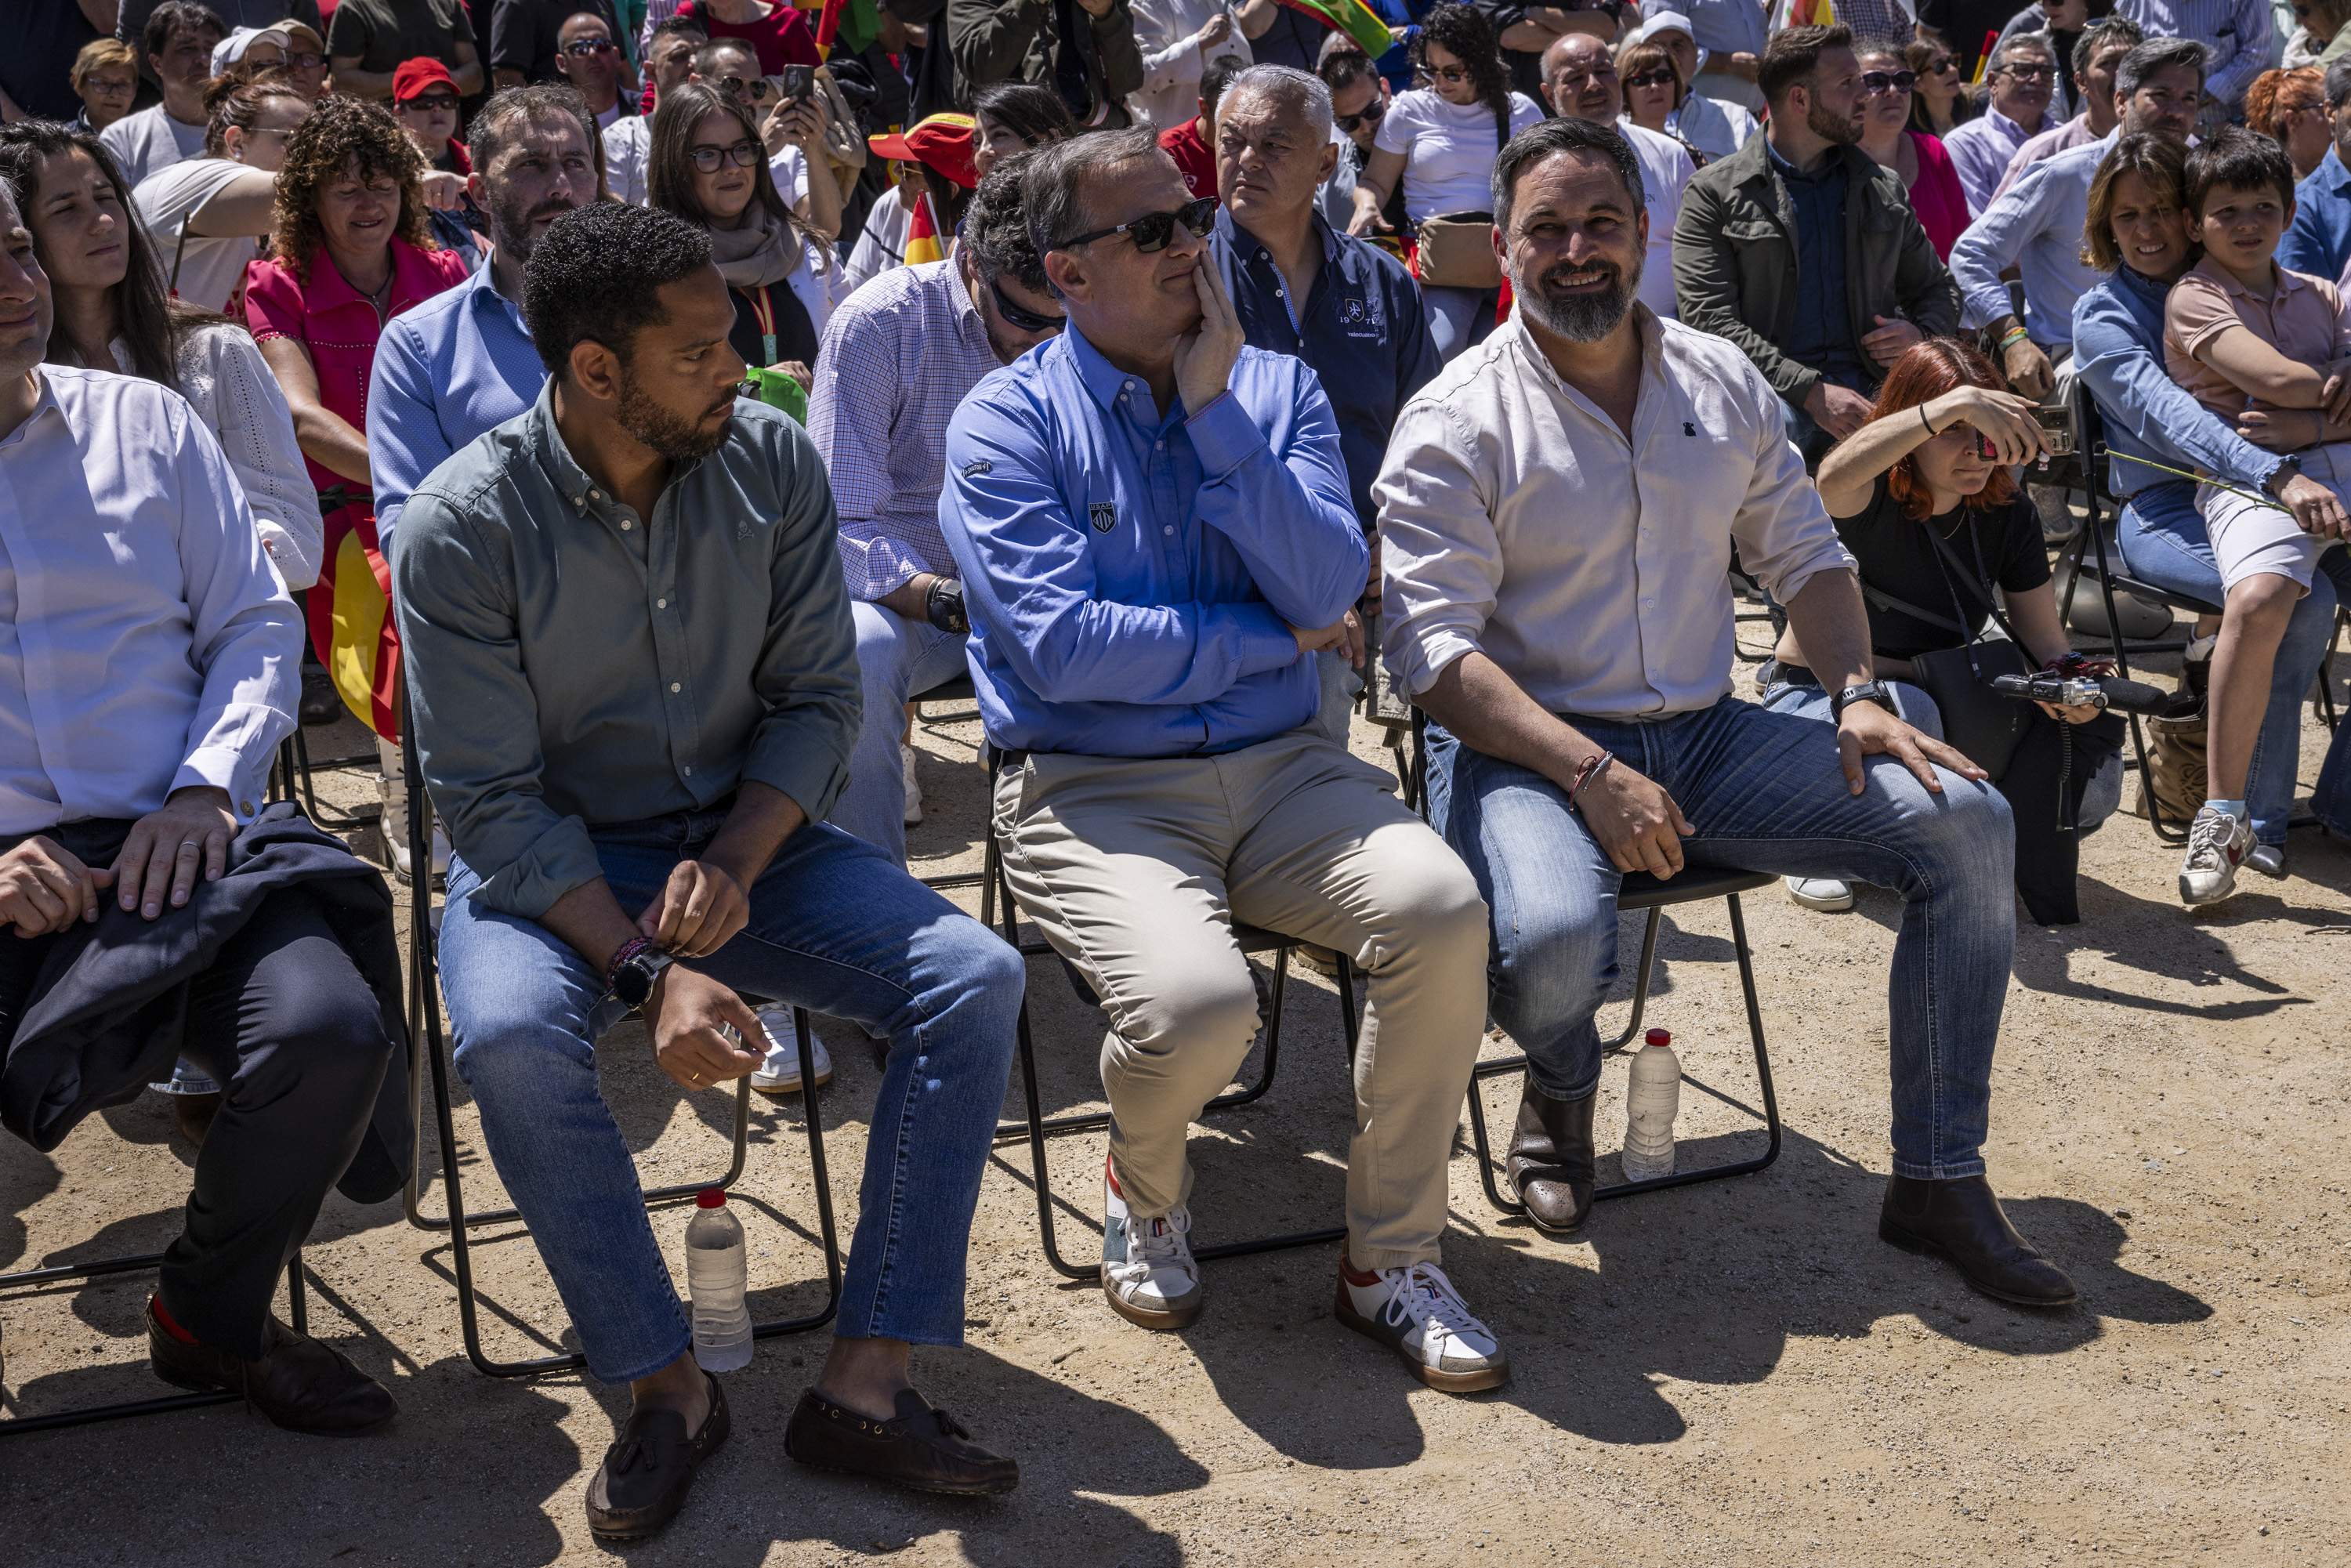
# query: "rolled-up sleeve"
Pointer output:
{"type": "Point", "coordinates": [806, 675]}
{"type": "Point", "coordinates": [1783, 532]}
{"type": "Point", "coordinates": [244, 635]}
{"type": "Point", "coordinates": [473, 716]}
{"type": "Point", "coordinates": [1440, 557]}
{"type": "Point", "coordinates": [1992, 243]}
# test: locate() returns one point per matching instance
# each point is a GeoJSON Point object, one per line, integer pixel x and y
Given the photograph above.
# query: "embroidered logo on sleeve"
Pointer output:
{"type": "Point", "coordinates": [1103, 515]}
{"type": "Point", "coordinates": [978, 466]}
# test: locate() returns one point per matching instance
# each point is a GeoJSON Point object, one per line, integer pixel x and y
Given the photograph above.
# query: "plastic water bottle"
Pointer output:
{"type": "Point", "coordinates": [716, 1274]}
{"type": "Point", "coordinates": [1650, 1105]}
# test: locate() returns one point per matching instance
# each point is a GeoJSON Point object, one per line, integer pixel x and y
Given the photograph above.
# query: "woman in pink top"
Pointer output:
{"type": "Point", "coordinates": [1888, 84]}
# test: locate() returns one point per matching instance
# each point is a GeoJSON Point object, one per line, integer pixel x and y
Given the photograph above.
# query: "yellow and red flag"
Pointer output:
{"type": "Point", "coordinates": [923, 242]}
{"type": "Point", "coordinates": [352, 623]}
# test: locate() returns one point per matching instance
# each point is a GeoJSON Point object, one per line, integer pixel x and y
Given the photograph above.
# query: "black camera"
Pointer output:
{"type": "Point", "coordinates": [2083, 691]}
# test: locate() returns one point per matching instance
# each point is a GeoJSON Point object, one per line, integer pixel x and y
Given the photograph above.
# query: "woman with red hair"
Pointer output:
{"type": "Point", "coordinates": [1926, 496]}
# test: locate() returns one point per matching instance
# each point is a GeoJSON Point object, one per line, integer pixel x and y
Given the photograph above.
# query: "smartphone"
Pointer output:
{"type": "Point", "coordinates": [797, 83]}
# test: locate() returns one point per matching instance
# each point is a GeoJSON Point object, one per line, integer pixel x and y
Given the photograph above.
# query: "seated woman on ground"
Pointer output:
{"type": "Point", "coordinates": [1924, 498]}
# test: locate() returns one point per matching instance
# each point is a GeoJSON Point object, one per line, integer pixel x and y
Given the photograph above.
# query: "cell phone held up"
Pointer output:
{"type": "Point", "coordinates": [796, 83]}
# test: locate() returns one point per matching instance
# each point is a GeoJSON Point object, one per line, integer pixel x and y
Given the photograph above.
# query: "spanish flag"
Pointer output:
{"type": "Point", "coordinates": [352, 623]}
{"type": "Point", "coordinates": [923, 241]}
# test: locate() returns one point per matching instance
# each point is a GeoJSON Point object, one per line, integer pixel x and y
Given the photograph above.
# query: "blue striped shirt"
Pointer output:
{"type": "Point", "coordinates": [2236, 35]}
{"type": "Point", "coordinates": [455, 367]}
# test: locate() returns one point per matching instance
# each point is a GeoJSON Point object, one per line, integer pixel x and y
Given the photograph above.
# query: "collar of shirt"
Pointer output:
{"type": "Point", "coordinates": [2331, 173]}
{"type": "Point", "coordinates": [2286, 283]}
{"type": "Point", "coordinates": [1830, 164]}
{"type": "Point", "coordinates": [575, 484]}
{"type": "Point", "coordinates": [326, 288]}
{"type": "Point", "coordinates": [1118, 391]}
{"type": "Point", "coordinates": [2017, 134]}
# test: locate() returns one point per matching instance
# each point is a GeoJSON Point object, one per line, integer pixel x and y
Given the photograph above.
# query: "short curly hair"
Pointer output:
{"type": "Point", "coordinates": [1468, 35]}
{"type": "Point", "coordinates": [339, 132]}
{"type": "Point", "coordinates": [596, 276]}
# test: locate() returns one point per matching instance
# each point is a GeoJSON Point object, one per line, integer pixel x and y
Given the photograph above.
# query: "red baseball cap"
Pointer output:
{"type": "Point", "coordinates": [413, 76]}
{"type": "Point", "coordinates": [940, 141]}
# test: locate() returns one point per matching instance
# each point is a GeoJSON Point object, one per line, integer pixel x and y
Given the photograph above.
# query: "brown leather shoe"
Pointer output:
{"type": "Point", "coordinates": [922, 1448]}
{"type": "Point", "coordinates": [1961, 1222]}
{"type": "Point", "coordinates": [1551, 1159]}
{"type": "Point", "coordinates": [299, 1383]}
{"type": "Point", "coordinates": [649, 1470]}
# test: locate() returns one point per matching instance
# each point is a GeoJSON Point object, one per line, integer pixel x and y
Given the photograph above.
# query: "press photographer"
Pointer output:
{"type": "Point", "coordinates": [1925, 497]}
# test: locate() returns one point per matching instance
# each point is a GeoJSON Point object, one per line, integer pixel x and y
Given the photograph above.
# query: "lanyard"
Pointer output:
{"type": "Point", "coordinates": [763, 311]}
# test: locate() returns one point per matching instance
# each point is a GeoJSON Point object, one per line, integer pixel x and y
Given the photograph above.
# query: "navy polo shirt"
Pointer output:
{"type": "Point", "coordinates": [1364, 333]}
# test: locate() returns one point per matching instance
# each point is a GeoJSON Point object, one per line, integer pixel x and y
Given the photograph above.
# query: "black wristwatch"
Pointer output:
{"type": "Point", "coordinates": [944, 606]}
{"type": "Point", "coordinates": [634, 976]}
{"type": "Point", "coordinates": [2289, 466]}
{"type": "Point", "coordinates": [1867, 691]}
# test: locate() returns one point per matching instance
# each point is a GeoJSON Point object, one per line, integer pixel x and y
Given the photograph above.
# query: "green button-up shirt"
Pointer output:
{"type": "Point", "coordinates": [571, 663]}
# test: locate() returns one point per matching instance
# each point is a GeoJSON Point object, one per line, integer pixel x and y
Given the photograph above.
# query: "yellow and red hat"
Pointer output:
{"type": "Point", "coordinates": [940, 141]}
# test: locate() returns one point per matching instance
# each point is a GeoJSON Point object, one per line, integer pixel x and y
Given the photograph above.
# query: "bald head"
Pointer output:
{"type": "Point", "coordinates": [1579, 78]}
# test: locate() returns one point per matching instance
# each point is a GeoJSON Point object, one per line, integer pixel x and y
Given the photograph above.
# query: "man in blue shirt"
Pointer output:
{"type": "Point", "coordinates": [2318, 240]}
{"type": "Point", "coordinates": [1301, 287]}
{"type": "Point", "coordinates": [1154, 532]}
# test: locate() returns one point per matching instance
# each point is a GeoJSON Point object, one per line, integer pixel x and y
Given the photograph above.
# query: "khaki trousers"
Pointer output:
{"type": "Point", "coordinates": [1135, 869]}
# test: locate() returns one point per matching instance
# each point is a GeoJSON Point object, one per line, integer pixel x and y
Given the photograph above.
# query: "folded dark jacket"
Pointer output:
{"type": "Point", "coordinates": [108, 1011]}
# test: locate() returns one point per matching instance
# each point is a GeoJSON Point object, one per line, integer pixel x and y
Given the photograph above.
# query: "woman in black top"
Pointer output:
{"type": "Point", "coordinates": [1926, 498]}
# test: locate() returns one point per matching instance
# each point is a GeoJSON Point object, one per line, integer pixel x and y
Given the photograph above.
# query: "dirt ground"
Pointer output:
{"type": "Point", "coordinates": [1736, 1373]}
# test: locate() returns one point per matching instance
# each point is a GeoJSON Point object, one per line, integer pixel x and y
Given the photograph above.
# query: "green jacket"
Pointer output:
{"type": "Point", "coordinates": [1737, 271]}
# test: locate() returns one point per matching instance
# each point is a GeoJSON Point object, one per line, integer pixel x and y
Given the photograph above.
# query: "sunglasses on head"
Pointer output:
{"type": "Point", "coordinates": [1151, 231]}
{"type": "Point", "coordinates": [1019, 315]}
{"type": "Point", "coordinates": [1370, 113]}
{"type": "Point", "coordinates": [1653, 78]}
{"type": "Point", "coordinates": [709, 159]}
{"type": "Point", "coordinates": [589, 46]}
{"type": "Point", "coordinates": [1888, 81]}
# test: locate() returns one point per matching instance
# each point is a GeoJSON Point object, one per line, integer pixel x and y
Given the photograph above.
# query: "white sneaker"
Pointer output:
{"type": "Point", "coordinates": [913, 788]}
{"type": "Point", "coordinates": [2217, 843]}
{"type": "Point", "coordinates": [1148, 1273]}
{"type": "Point", "coordinates": [1415, 1312]}
{"type": "Point", "coordinates": [2267, 859]}
{"type": "Point", "coordinates": [1825, 894]}
{"type": "Point", "coordinates": [780, 1072]}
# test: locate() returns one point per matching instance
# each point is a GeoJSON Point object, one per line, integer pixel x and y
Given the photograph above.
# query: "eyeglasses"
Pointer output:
{"type": "Point", "coordinates": [1371, 114]}
{"type": "Point", "coordinates": [709, 159]}
{"type": "Point", "coordinates": [1152, 231]}
{"type": "Point", "coordinates": [2023, 72]}
{"type": "Point", "coordinates": [310, 61]}
{"type": "Point", "coordinates": [1658, 78]}
{"type": "Point", "coordinates": [1888, 81]}
{"type": "Point", "coordinates": [1020, 315]}
{"type": "Point", "coordinates": [432, 101]}
{"type": "Point", "coordinates": [755, 88]}
{"type": "Point", "coordinates": [589, 47]}
{"type": "Point", "coordinates": [1445, 73]}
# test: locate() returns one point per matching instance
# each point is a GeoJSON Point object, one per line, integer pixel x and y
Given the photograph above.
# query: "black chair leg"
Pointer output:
{"type": "Point", "coordinates": [1487, 1168]}
{"type": "Point", "coordinates": [297, 1308]}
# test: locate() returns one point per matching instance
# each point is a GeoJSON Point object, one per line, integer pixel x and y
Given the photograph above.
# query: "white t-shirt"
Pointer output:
{"type": "Point", "coordinates": [1449, 149]}
{"type": "Point", "coordinates": [209, 269]}
{"type": "Point", "coordinates": [150, 142]}
{"type": "Point", "coordinates": [1665, 169]}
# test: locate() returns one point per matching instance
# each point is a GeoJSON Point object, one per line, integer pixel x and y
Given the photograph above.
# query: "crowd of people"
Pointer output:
{"type": "Point", "coordinates": [634, 406]}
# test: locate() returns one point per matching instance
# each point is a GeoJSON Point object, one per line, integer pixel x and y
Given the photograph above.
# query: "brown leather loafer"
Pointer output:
{"type": "Point", "coordinates": [1550, 1160]}
{"type": "Point", "coordinates": [649, 1470]}
{"type": "Point", "coordinates": [1961, 1222]}
{"type": "Point", "coordinates": [299, 1383]}
{"type": "Point", "coordinates": [922, 1448]}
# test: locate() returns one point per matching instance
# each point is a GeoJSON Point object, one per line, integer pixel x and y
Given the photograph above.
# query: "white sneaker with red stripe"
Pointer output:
{"type": "Point", "coordinates": [1415, 1312]}
{"type": "Point", "coordinates": [2216, 844]}
{"type": "Point", "coordinates": [1148, 1273]}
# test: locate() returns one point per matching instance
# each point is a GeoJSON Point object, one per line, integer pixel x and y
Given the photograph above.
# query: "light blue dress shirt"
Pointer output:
{"type": "Point", "coordinates": [2318, 241]}
{"type": "Point", "coordinates": [1980, 150]}
{"type": "Point", "coordinates": [453, 368]}
{"type": "Point", "coordinates": [2118, 353]}
{"type": "Point", "coordinates": [1133, 577]}
{"type": "Point", "coordinates": [2036, 226]}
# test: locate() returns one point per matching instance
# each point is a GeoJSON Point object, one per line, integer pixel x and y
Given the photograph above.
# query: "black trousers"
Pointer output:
{"type": "Point", "coordinates": [288, 1027]}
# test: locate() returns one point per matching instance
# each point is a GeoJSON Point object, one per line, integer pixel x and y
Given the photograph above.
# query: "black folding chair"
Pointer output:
{"type": "Point", "coordinates": [958, 690]}
{"type": "Point", "coordinates": [424, 1007]}
{"type": "Point", "coordinates": [1037, 1128]}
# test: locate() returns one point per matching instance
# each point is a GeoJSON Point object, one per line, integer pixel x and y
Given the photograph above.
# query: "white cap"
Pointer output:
{"type": "Point", "coordinates": [231, 49]}
{"type": "Point", "coordinates": [1667, 22]}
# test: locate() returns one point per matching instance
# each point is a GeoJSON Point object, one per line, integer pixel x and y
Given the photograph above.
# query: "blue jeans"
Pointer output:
{"type": "Point", "coordinates": [834, 927]}
{"type": "Point", "coordinates": [896, 659]}
{"type": "Point", "coordinates": [2162, 541]}
{"type": "Point", "coordinates": [1765, 793]}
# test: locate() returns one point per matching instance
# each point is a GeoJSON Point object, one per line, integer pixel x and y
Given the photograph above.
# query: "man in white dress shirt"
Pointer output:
{"type": "Point", "coordinates": [1580, 82]}
{"type": "Point", "coordinates": [1578, 682]}
{"type": "Point", "coordinates": [148, 659]}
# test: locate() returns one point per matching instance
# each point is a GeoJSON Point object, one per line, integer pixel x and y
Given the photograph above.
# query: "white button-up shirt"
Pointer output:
{"type": "Point", "coordinates": [1517, 521]}
{"type": "Point", "coordinates": [146, 643]}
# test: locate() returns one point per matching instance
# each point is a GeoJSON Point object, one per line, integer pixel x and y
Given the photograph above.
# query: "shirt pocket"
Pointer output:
{"type": "Point", "coordinates": [1765, 259]}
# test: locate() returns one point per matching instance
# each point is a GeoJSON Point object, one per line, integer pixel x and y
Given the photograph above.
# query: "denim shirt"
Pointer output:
{"type": "Point", "coordinates": [2118, 354]}
{"type": "Point", "coordinates": [1362, 328]}
{"type": "Point", "coordinates": [458, 365]}
{"type": "Point", "coordinates": [1132, 577]}
{"type": "Point", "coordinates": [2318, 241]}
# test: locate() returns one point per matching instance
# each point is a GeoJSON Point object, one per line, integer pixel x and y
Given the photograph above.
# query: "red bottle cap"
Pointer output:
{"type": "Point", "coordinates": [710, 1197]}
{"type": "Point", "coordinates": [1659, 1037]}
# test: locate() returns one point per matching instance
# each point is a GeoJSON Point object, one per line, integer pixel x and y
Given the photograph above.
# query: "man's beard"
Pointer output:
{"type": "Point", "coordinates": [679, 440]}
{"type": "Point", "coordinates": [1578, 317]}
{"type": "Point", "coordinates": [1830, 128]}
{"type": "Point", "coordinates": [512, 228]}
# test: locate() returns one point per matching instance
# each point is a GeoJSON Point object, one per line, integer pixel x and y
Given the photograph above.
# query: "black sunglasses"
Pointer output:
{"type": "Point", "coordinates": [589, 46]}
{"type": "Point", "coordinates": [1659, 78]}
{"type": "Point", "coordinates": [1020, 315]}
{"type": "Point", "coordinates": [1888, 81]}
{"type": "Point", "coordinates": [432, 100]}
{"type": "Point", "coordinates": [755, 88]}
{"type": "Point", "coordinates": [1151, 231]}
{"type": "Point", "coordinates": [1370, 113]}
